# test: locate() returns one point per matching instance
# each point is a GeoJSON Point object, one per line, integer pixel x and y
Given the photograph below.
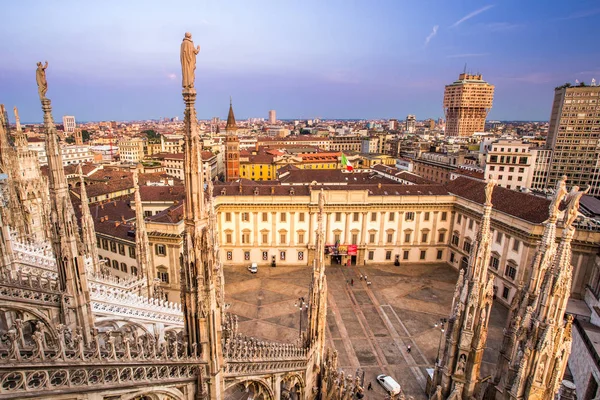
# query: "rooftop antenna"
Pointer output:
{"type": "Point", "coordinates": [465, 70]}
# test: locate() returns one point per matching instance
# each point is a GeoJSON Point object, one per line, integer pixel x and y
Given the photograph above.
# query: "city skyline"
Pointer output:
{"type": "Point", "coordinates": [335, 61]}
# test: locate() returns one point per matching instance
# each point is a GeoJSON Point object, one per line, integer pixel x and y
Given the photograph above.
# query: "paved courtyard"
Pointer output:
{"type": "Point", "coordinates": [371, 326]}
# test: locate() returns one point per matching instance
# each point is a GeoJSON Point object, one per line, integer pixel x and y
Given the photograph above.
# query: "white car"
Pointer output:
{"type": "Point", "coordinates": [389, 384]}
{"type": "Point", "coordinates": [253, 268]}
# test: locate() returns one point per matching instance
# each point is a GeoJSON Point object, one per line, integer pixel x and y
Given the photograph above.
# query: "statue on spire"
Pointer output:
{"type": "Point", "coordinates": [40, 78]}
{"type": "Point", "coordinates": [561, 191]}
{"type": "Point", "coordinates": [188, 61]}
{"type": "Point", "coordinates": [572, 201]}
{"type": "Point", "coordinates": [489, 188]}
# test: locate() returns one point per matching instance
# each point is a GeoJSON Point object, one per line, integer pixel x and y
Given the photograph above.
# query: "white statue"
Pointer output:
{"type": "Point", "coordinates": [188, 61]}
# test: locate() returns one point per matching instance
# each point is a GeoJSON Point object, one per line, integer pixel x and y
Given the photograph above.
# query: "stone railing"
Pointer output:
{"type": "Point", "coordinates": [114, 301]}
{"type": "Point", "coordinates": [27, 287]}
{"type": "Point", "coordinates": [133, 283]}
{"type": "Point", "coordinates": [37, 259]}
{"type": "Point", "coordinates": [45, 361]}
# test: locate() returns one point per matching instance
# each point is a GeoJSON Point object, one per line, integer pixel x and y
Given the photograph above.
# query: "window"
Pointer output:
{"type": "Point", "coordinates": [422, 254]}
{"type": "Point", "coordinates": [441, 237]}
{"type": "Point", "coordinates": [409, 216]}
{"type": "Point", "coordinates": [373, 216]}
{"type": "Point", "coordinates": [390, 238]}
{"type": "Point", "coordinates": [354, 238]}
{"type": "Point", "coordinates": [282, 255]}
{"type": "Point", "coordinates": [134, 270]}
{"type": "Point", "coordinates": [147, 213]}
{"type": "Point", "coordinates": [407, 237]}
{"type": "Point", "coordinates": [123, 267]}
{"type": "Point", "coordinates": [283, 217]}
{"type": "Point", "coordinates": [301, 217]}
{"type": "Point", "coordinates": [516, 245]}
{"type": "Point", "coordinates": [265, 238]}
{"type": "Point", "coordinates": [505, 293]}
{"type": "Point", "coordinates": [405, 254]}
{"type": "Point", "coordinates": [424, 237]}
{"type": "Point", "coordinates": [245, 217]}
{"type": "Point", "coordinates": [265, 255]}
{"type": "Point", "coordinates": [440, 254]}
{"type": "Point", "coordinates": [227, 217]}
{"type": "Point", "coordinates": [455, 240]}
{"type": "Point", "coordinates": [392, 216]}
{"type": "Point", "coordinates": [282, 238]}
{"type": "Point", "coordinates": [371, 238]}
{"type": "Point", "coordinates": [113, 247]}
{"type": "Point", "coordinates": [246, 255]}
{"type": "Point", "coordinates": [458, 218]}
{"type": "Point", "coordinates": [467, 246]}
{"type": "Point", "coordinates": [471, 224]}
{"type": "Point", "coordinates": [494, 262]}
{"type": "Point", "coordinates": [355, 217]}
{"type": "Point", "coordinates": [371, 255]}
{"type": "Point", "coordinates": [336, 238]}
{"type": "Point", "coordinates": [510, 271]}
{"type": "Point", "coordinates": [228, 238]}
{"type": "Point", "coordinates": [115, 264]}
{"type": "Point", "coordinates": [499, 237]}
{"type": "Point", "coordinates": [451, 257]}
{"type": "Point", "coordinates": [245, 237]}
{"type": "Point", "coordinates": [426, 216]}
{"type": "Point", "coordinates": [163, 275]}
{"type": "Point", "coordinates": [444, 215]}
{"type": "Point", "coordinates": [132, 252]}
{"type": "Point", "coordinates": [265, 217]}
{"type": "Point", "coordinates": [160, 249]}
{"type": "Point", "coordinates": [388, 254]}
{"type": "Point", "coordinates": [300, 255]}
{"type": "Point", "coordinates": [121, 249]}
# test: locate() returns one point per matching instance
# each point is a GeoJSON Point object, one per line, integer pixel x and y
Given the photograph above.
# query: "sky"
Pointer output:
{"type": "Point", "coordinates": [119, 60]}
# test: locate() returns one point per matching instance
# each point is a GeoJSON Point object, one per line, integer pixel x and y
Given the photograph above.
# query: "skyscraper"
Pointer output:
{"type": "Point", "coordinates": [68, 124]}
{"type": "Point", "coordinates": [467, 103]}
{"type": "Point", "coordinates": [272, 117]}
{"type": "Point", "coordinates": [411, 123]}
{"type": "Point", "coordinates": [573, 137]}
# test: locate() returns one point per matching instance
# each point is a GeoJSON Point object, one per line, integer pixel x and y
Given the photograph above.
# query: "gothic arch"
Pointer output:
{"type": "Point", "coordinates": [5, 306]}
{"type": "Point", "coordinates": [258, 385]}
{"type": "Point", "coordinates": [162, 393]}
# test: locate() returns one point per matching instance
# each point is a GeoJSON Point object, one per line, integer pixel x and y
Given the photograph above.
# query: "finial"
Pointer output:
{"type": "Point", "coordinates": [230, 101]}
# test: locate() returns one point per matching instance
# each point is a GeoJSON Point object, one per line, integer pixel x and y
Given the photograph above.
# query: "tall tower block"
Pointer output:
{"type": "Point", "coordinates": [467, 103]}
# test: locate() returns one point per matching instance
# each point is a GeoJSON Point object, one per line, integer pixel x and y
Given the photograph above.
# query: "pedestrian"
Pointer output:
{"type": "Point", "coordinates": [370, 387]}
{"type": "Point", "coordinates": [352, 282]}
{"type": "Point", "coordinates": [408, 348]}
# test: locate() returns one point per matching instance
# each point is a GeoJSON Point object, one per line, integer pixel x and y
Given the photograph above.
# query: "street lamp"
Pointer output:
{"type": "Point", "coordinates": [302, 305]}
{"type": "Point", "coordinates": [441, 326]}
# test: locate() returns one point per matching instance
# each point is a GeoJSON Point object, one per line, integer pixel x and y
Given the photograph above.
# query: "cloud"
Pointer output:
{"type": "Point", "coordinates": [431, 35]}
{"type": "Point", "coordinates": [172, 76]}
{"type": "Point", "coordinates": [466, 55]}
{"type": "Point", "coordinates": [471, 15]}
{"type": "Point", "coordinates": [582, 14]}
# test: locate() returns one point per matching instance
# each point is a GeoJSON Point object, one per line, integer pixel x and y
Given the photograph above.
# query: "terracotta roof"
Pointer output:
{"type": "Point", "coordinates": [162, 193]}
{"type": "Point", "coordinates": [116, 229]}
{"type": "Point", "coordinates": [170, 215]}
{"type": "Point", "coordinates": [470, 174]}
{"type": "Point", "coordinates": [325, 176]}
{"type": "Point", "coordinates": [304, 190]}
{"type": "Point", "coordinates": [401, 174]}
{"type": "Point", "coordinates": [521, 205]}
{"type": "Point", "coordinates": [115, 210]}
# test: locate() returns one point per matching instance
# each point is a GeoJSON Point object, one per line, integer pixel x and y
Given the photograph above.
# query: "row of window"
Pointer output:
{"type": "Point", "coordinates": [408, 216]}
{"type": "Point", "coordinates": [510, 169]}
{"type": "Point", "coordinates": [159, 249]}
{"type": "Point", "coordinates": [121, 266]}
{"type": "Point", "coordinates": [370, 255]}
{"type": "Point", "coordinates": [472, 225]}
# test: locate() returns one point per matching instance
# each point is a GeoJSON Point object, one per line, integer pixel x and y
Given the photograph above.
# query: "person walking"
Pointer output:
{"type": "Point", "coordinates": [408, 348]}
{"type": "Point", "coordinates": [370, 386]}
{"type": "Point", "coordinates": [352, 282]}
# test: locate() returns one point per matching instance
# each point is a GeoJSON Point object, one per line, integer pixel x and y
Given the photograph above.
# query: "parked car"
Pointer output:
{"type": "Point", "coordinates": [253, 268]}
{"type": "Point", "coordinates": [389, 384]}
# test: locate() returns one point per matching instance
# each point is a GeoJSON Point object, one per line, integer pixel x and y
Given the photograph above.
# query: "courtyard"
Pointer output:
{"type": "Point", "coordinates": [370, 325]}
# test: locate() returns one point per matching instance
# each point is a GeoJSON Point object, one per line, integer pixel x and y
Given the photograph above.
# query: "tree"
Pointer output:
{"type": "Point", "coordinates": [70, 139]}
{"type": "Point", "coordinates": [85, 135]}
{"type": "Point", "coordinates": [152, 135]}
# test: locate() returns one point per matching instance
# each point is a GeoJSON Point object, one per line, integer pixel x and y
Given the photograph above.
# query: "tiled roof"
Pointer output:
{"type": "Point", "coordinates": [521, 205]}
{"type": "Point", "coordinates": [162, 193]}
{"type": "Point", "coordinates": [170, 215]}
{"type": "Point", "coordinates": [325, 176]}
{"type": "Point", "coordinates": [116, 229]}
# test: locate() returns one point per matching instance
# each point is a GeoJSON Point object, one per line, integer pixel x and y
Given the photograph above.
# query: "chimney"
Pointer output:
{"type": "Point", "coordinates": [241, 188]}
{"type": "Point", "coordinates": [122, 219]}
{"type": "Point", "coordinates": [379, 185]}
{"type": "Point", "coordinates": [117, 223]}
{"type": "Point", "coordinates": [102, 205]}
{"type": "Point", "coordinates": [272, 189]}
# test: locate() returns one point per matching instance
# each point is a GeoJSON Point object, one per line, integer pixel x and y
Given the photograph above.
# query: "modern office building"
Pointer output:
{"type": "Point", "coordinates": [411, 123]}
{"type": "Point", "coordinates": [573, 137]}
{"type": "Point", "coordinates": [467, 103]}
{"type": "Point", "coordinates": [272, 117]}
{"type": "Point", "coordinates": [69, 123]}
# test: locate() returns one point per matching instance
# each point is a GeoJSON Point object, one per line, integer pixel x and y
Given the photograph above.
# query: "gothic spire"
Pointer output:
{"type": "Point", "coordinates": [231, 125]}
{"type": "Point", "coordinates": [458, 370]}
{"type": "Point", "coordinates": [20, 137]}
{"type": "Point", "coordinates": [88, 231]}
{"type": "Point", "coordinates": [142, 245]}
{"type": "Point", "coordinates": [65, 239]}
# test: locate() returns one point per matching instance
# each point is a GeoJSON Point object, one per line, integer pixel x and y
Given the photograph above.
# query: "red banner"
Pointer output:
{"type": "Point", "coordinates": [352, 249]}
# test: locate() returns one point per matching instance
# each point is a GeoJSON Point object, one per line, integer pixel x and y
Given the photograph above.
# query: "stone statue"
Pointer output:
{"type": "Point", "coordinates": [573, 205]}
{"type": "Point", "coordinates": [188, 61]}
{"type": "Point", "coordinates": [561, 191]}
{"type": "Point", "coordinates": [462, 363]}
{"type": "Point", "coordinates": [489, 188]}
{"type": "Point", "coordinates": [40, 78]}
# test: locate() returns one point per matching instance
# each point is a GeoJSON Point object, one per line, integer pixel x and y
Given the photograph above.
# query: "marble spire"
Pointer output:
{"type": "Point", "coordinates": [88, 231]}
{"type": "Point", "coordinates": [142, 244]}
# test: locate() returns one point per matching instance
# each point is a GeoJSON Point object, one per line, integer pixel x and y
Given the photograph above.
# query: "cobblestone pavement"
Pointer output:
{"type": "Point", "coordinates": [371, 326]}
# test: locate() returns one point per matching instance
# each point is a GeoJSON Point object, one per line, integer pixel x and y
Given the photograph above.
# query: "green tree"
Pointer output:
{"type": "Point", "coordinates": [152, 135]}
{"type": "Point", "coordinates": [85, 135]}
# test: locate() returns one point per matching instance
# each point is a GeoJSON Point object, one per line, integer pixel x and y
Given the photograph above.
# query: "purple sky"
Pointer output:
{"type": "Point", "coordinates": [119, 60]}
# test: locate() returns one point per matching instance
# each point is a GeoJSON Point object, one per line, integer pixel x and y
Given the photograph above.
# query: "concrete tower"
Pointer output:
{"type": "Point", "coordinates": [467, 103]}
{"type": "Point", "coordinates": [201, 277]}
{"type": "Point", "coordinates": [458, 370]}
{"type": "Point", "coordinates": [232, 148]}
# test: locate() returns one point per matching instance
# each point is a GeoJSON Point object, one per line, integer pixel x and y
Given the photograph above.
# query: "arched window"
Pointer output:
{"type": "Point", "coordinates": [115, 264]}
